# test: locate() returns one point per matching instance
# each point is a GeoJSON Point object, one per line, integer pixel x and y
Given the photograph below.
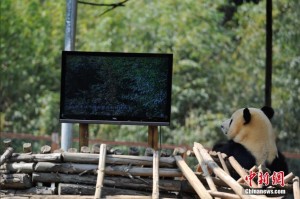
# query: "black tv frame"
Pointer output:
{"type": "Point", "coordinates": [126, 120]}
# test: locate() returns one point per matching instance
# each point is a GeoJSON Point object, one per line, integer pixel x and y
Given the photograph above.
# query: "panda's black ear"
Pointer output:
{"type": "Point", "coordinates": [246, 115]}
{"type": "Point", "coordinates": [268, 111]}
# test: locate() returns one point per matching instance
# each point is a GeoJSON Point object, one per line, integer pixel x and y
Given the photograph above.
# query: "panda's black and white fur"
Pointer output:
{"type": "Point", "coordinates": [252, 140]}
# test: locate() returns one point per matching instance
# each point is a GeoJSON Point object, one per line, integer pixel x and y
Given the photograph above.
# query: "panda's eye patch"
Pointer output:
{"type": "Point", "coordinates": [230, 122]}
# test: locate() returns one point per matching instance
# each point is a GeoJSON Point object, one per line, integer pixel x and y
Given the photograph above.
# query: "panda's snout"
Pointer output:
{"type": "Point", "coordinates": [224, 129]}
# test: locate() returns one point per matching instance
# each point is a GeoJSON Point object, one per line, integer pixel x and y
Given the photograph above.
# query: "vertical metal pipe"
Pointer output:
{"type": "Point", "coordinates": [71, 18]}
{"type": "Point", "coordinates": [268, 75]}
{"type": "Point", "coordinates": [70, 32]}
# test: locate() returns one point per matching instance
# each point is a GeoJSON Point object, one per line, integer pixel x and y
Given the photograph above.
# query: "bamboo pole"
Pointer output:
{"type": "Point", "coordinates": [289, 177]}
{"type": "Point", "coordinates": [237, 188]}
{"type": "Point", "coordinates": [192, 178]}
{"type": "Point", "coordinates": [207, 176]}
{"type": "Point", "coordinates": [155, 190]}
{"type": "Point", "coordinates": [260, 170]}
{"type": "Point", "coordinates": [296, 188]}
{"type": "Point", "coordinates": [240, 170]}
{"type": "Point", "coordinates": [225, 168]}
{"type": "Point", "coordinates": [101, 168]}
{"type": "Point", "coordinates": [179, 151]}
{"type": "Point", "coordinates": [223, 195]}
{"type": "Point", "coordinates": [253, 169]}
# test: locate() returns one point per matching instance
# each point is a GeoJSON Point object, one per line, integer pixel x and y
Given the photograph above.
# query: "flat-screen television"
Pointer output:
{"type": "Point", "coordinates": [116, 88]}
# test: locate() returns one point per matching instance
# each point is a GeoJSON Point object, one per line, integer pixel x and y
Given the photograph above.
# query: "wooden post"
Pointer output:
{"type": "Point", "coordinates": [7, 142]}
{"type": "Point", "coordinates": [153, 137]}
{"type": "Point", "coordinates": [27, 148]}
{"type": "Point", "coordinates": [101, 168]}
{"type": "Point", "coordinates": [153, 143]}
{"type": "Point", "coordinates": [45, 149]}
{"type": "Point", "coordinates": [83, 135]}
{"type": "Point", "coordinates": [54, 141]}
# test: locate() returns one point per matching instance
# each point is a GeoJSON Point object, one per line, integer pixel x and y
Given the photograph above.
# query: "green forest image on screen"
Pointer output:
{"type": "Point", "coordinates": [112, 86]}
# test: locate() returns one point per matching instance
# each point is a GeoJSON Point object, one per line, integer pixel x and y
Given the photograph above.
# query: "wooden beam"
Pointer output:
{"type": "Point", "coordinates": [153, 137]}
{"type": "Point", "coordinates": [83, 135]}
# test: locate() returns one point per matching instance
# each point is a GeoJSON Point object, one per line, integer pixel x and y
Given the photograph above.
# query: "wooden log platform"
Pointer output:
{"type": "Point", "coordinates": [28, 175]}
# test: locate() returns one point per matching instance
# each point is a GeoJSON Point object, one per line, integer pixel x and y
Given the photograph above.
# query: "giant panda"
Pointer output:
{"type": "Point", "coordinates": [251, 140]}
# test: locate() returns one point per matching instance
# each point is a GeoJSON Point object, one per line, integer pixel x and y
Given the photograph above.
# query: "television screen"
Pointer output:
{"type": "Point", "coordinates": [116, 88]}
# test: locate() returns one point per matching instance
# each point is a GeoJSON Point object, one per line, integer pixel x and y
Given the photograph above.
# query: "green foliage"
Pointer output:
{"type": "Point", "coordinates": [219, 62]}
{"type": "Point", "coordinates": [31, 36]}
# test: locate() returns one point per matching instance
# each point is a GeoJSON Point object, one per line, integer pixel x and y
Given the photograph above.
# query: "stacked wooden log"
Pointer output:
{"type": "Point", "coordinates": [103, 172]}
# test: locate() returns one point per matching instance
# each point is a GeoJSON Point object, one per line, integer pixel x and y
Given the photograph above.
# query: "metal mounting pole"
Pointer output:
{"type": "Point", "coordinates": [268, 78]}
{"type": "Point", "coordinates": [70, 32]}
